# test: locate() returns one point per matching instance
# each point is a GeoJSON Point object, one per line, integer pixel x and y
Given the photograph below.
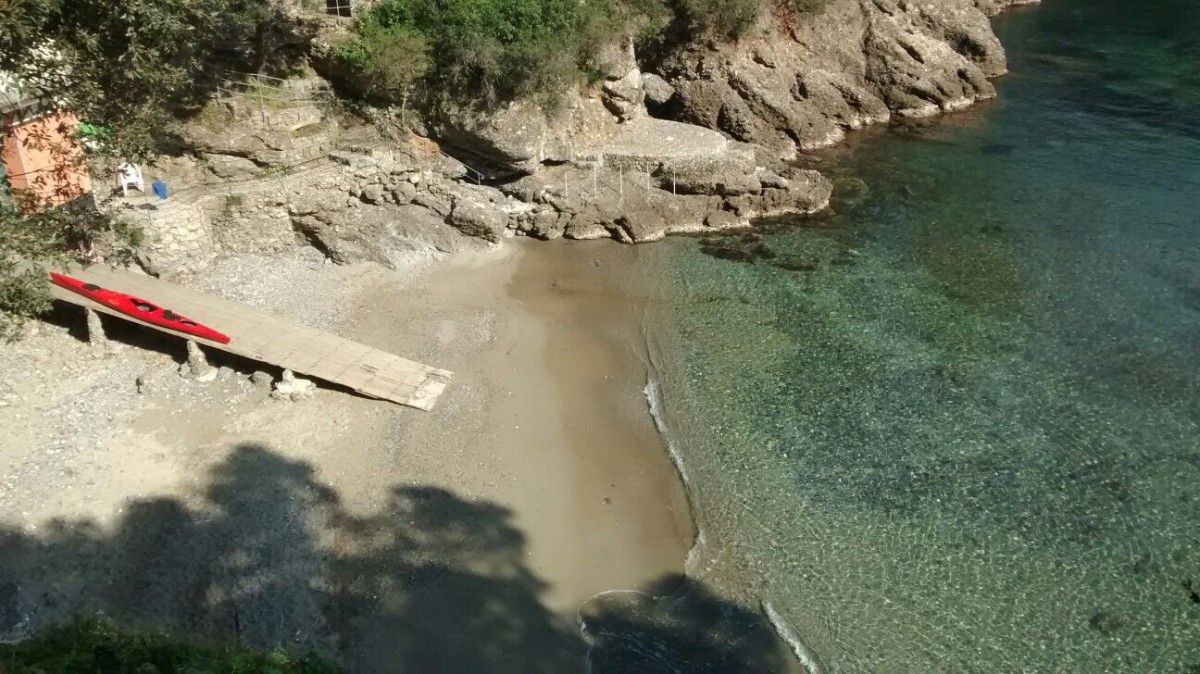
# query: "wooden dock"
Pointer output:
{"type": "Point", "coordinates": [260, 336]}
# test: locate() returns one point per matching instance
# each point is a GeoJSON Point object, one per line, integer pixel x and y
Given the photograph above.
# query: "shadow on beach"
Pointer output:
{"type": "Point", "coordinates": [432, 582]}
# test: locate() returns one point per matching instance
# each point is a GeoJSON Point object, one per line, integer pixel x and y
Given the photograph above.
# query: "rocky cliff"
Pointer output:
{"type": "Point", "coordinates": [792, 84]}
{"type": "Point", "coordinates": [801, 84]}
{"type": "Point", "coordinates": [696, 139]}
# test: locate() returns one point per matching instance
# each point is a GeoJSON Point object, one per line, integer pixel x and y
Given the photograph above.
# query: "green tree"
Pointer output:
{"type": "Point", "coordinates": [50, 236]}
{"type": "Point", "coordinates": [483, 53]}
{"type": "Point", "coordinates": [388, 61]}
{"type": "Point", "coordinates": [134, 68]}
{"type": "Point", "coordinates": [719, 18]}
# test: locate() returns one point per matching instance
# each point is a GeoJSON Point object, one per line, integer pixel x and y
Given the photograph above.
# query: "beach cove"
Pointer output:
{"type": "Point", "coordinates": [537, 483]}
{"type": "Point", "coordinates": [950, 423]}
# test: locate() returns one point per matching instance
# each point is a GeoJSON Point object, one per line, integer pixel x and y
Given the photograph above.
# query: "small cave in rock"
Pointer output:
{"type": "Point", "coordinates": [912, 52]}
{"type": "Point", "coordinates": [969, 47]}
{"type": "Point", "coordinates": [315, 241]}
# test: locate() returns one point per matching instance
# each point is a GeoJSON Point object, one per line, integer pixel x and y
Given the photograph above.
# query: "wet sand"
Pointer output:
{"type": "Point", "coordinates": [547, 414]}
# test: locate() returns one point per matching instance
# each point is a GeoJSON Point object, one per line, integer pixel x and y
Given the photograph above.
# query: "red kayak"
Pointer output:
{"type": "Point", "coordinates": [138, 308]}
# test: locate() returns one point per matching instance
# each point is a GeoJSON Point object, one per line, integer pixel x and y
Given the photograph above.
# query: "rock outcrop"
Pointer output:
{"type": "Point", "coordinates": [383, 202]}
{"type": "Point", "coordinates": [672, 146]}
{"type": "Point", "coordinates": [647, 204]}
{"type": "Point", "coordinates": [522, 137]}
{"type": "Point", "coordinates": [854, 63]}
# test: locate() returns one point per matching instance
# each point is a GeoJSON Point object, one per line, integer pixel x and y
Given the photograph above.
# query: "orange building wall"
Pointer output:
{"type": "Point", "coordinates": [40, 156]}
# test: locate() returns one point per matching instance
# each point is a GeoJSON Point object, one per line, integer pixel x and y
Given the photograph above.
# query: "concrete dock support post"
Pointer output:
{"type": "Point", "coordinates": [95, 329]}
{"type": "Point", "coordinates": [290, 387]}
{"type": "Point", "coordinates": [197, 363]}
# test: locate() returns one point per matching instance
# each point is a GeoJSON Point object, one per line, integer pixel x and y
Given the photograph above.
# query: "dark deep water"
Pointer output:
{"type": "Point", "coordinates": [955, 425]}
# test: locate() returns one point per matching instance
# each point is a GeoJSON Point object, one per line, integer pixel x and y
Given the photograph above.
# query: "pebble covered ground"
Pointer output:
{"type": "Point", "coordinates": [90, 392]}
{"type": "Point", "coordinates": [95, 433]}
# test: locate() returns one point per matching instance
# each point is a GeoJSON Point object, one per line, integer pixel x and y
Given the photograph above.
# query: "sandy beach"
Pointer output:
{"type": "Point", "coordinates": [547, 414]}
{"type": "Point", "coordinates": [345, 525]}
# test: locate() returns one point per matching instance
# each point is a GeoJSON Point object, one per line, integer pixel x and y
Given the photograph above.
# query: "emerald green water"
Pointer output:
{"type": "Point", "coordinates": [965, 435]}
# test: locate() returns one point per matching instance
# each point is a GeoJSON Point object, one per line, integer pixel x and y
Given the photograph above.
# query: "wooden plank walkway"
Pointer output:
{"type": "Point", "coordinates": [260, 336]}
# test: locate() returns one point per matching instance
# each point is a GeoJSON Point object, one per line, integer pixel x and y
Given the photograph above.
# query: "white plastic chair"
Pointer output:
{"type": "Point", "coordinates": [130, 176]}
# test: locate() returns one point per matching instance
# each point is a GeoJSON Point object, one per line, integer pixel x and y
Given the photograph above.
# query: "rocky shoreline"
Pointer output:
{"type": "Point", "coordinates": [699, 140]}
{"type": "Point", "coordinates": [857, 63]}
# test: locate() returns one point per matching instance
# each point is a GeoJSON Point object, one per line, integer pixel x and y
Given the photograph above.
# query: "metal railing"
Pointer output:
{"type": "Point", "coordinates": [630, 182]}
{"type": "Point", "coordinates": [474, 175]}
{"type": "Point", "coordinates": [264, 90]}
{"type": "Point", "coordinates": [259, 87]}
{"type": "Point", "coordinates": [340, 8]}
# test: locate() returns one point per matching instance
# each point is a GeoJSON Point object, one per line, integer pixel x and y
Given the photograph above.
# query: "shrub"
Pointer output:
{"type": "Point", "coordinates": [50, 236]}
{"type": "Point", "coordinates": [484, 52]}
{"type": "Point", "coordinates": [386, 61]}
{"type": "Point", "coordinates": [98, 645]}
{"type": "Point", "coordinates": [719, 18]}
{"type": "Point", "coordinates": [803, 6]}
{"type": "Point", "coordinates": [129, 69]}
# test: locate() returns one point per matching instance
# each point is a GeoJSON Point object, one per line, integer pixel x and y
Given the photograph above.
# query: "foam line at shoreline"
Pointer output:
{"type": "Point", "coordinates": [692, 566]}
{"type": "Point", "coordinates": [793, 640]}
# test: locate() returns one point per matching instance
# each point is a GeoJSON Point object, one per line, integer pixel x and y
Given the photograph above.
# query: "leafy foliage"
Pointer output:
{"type": "Point", "coordinates": [386, 61]}
{"type": "Point", "coordinates": [99, 645]}
{"type": "Point", "coordinates": [720, 18]}
{"type": "Point", "coordinates": [131, 66]}
{"type": "Point", "coordinates": [130, 69]}
{"type": "Point", "coordinates": [486, 52]}
{"type": "Point", "coordinates": [49, 236]}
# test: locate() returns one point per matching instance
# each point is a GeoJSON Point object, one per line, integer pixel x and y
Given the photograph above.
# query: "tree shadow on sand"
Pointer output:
{"type": "Point", "coordinates": [268, 556]}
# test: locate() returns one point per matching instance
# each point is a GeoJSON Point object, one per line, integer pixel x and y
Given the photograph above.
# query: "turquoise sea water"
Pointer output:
{"type": "Point", "coordinates": [955, 425]}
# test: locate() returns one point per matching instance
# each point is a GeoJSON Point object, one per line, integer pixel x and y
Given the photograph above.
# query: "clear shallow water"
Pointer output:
{"type": "Point", "coordinates": [956, 425]}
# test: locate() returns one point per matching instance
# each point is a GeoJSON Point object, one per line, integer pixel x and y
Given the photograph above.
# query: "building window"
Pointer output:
{"type": "Point", "coordinates": [338, 7]}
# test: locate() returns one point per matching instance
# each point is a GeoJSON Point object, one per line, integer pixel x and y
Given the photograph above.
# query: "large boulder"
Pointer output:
{"type": "Point", "coordinates": [623, 96]}
{"type": "Point", "coordinates": [622, 88]}
{"type": "Point", "coordinates": [635, 207]}
{"type": "Point", "coordinates": [483, 220]}
{"type": "Point", "coordinates": [389, 235]}
{"type": "Point", "coordinates": [521, 137]}
{"type": "Point", "coordinates": [658, 92]}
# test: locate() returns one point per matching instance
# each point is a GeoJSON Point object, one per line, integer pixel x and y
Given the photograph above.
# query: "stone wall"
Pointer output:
{"type": "Point", "coordinates": [363, 203]}
{"type": "Point", "coordinates": [178, 236]}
